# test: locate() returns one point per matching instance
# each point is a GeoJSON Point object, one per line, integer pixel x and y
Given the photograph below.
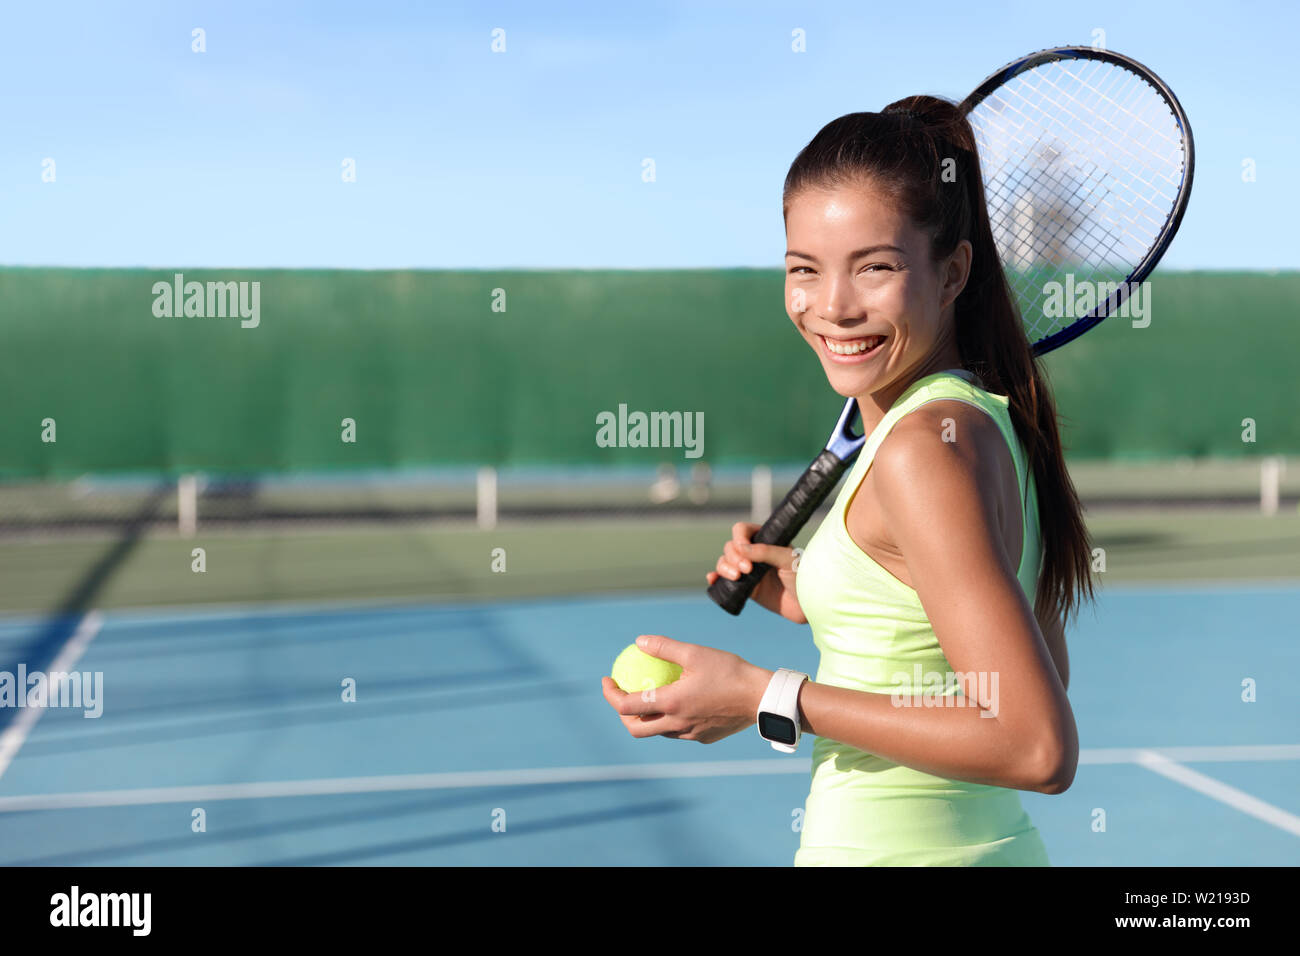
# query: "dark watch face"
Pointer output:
{"type": "Point", "coordinates": [775, 727]}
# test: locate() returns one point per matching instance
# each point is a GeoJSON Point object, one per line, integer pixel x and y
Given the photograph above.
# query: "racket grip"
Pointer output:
{"type": "Point", "coordinates": [780, 529]}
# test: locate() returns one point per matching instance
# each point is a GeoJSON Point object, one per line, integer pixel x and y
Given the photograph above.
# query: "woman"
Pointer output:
{"type": "Point", "coordinates": [956, 545]}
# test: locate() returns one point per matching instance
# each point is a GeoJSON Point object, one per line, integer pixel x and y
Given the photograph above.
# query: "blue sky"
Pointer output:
{"type": "Point", "coordinates": [532, 158]}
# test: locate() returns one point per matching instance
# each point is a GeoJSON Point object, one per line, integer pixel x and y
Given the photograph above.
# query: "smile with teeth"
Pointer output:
{"type": "Point", "coordinates": [852, 346]}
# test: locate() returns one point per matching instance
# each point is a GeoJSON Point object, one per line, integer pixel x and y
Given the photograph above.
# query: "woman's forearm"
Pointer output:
{"type": "Point", "coordinates": [947, 741]}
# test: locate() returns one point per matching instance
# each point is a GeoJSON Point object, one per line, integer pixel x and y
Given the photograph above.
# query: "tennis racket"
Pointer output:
{"type": "Point", "coordinates": [1087, 161]}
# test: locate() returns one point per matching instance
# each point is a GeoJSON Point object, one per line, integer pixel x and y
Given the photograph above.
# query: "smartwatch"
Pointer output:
{"type": "Point", "coordinates": [778, 712]}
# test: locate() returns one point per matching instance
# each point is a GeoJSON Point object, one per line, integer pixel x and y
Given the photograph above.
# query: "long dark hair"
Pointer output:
{"type": "Point", "coordinates": [921, 152]}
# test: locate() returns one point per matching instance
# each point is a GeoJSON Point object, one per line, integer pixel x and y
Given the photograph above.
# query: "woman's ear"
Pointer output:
{"type": "Point", "coordinates": [954, 271]}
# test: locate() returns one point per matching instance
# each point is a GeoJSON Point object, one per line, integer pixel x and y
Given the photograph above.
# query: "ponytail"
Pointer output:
{"type": "Point", "coordinates": [921, 152]}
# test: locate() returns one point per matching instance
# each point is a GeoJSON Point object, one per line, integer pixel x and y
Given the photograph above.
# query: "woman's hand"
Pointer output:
{"type": "Point", "coordinates": [775, 591]}
{"type": "Point", "coordinates": [716, 696]}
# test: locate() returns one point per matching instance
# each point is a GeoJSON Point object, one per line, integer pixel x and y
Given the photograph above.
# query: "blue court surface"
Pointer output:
{"type": "Point", "coordinates": [479, 736]}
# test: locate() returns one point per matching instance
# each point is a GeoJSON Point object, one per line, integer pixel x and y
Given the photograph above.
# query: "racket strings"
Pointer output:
{"type": "Point", "coordinates": [1083, 161]}
{"type": "Point", "coordinates": [1083, 183]}
{"type": "Point", "coordinates": [1038, 233]}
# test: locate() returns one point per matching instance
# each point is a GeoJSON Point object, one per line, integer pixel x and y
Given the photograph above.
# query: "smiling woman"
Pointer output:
{"type": "Point", "coordinates": [937, 587]}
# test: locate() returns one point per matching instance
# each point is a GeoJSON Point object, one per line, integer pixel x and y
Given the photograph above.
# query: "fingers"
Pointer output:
{"type": "Point", "coordinates": [665, 648]}
{"type": "Point", "coordinates": [657, 725]}
{"type": "Point", "coordinates": [736, 557]}
{"type": "Point", "coordinates": [742, 534]}
{"type": "Point", "coordinates": [640, 718]}
{"type": "Point", "coordinates": [740, 554]}
{"type": "Point", "coordinates": [726, 570]}
{"type": "Point", "coordinates": [643, 705]}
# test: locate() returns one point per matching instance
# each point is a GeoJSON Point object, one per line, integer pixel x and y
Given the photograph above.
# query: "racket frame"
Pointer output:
{"type": "Point", "coordinates": [1173, 220]}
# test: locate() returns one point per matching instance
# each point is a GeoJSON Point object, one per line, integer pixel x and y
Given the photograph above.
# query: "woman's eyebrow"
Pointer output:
{"type": "Point", "coordinates": [869, 250]}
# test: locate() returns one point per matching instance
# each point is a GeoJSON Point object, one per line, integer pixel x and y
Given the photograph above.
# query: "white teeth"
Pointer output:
{"type": "Point", "coordinates": [853, 348]}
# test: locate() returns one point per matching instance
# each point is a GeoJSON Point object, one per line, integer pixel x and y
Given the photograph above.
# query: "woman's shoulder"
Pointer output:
{"type": "Point", "coordinates": [940, 452]}
{"type": "Point", "coordinates": [952, 404]}
{"type": "Point", "coordinates": [938, 430]}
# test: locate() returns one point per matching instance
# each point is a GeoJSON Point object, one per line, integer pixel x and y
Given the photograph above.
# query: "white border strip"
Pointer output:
{"type": "Point", "coordinates": [15, 735]}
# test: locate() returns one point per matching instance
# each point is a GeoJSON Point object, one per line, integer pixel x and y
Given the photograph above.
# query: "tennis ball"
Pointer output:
{"type": "Point", "coordinates": [635, 670]}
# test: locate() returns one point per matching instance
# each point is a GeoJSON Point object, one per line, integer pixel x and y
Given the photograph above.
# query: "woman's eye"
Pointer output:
{"type": "Point", "coordinates": [873, 267]}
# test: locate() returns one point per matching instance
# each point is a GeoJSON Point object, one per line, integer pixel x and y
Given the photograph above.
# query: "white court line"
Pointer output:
{"type": "Point", "coordinates": [1191, 754]}
{"type": "Point", "coordinates": [545, 775]}
{"type": "Point", "coordinates": [414, 781]}
{"type": "Point", "coordinates": [11, 741]}
{"type": "Point", "coordinates": [240, 610]}
{"type": "Point", "coordinates": [1237, 799]}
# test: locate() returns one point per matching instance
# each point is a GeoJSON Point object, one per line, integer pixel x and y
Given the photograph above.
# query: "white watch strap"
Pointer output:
{"type": "Point", "coordinates": [782, 699]}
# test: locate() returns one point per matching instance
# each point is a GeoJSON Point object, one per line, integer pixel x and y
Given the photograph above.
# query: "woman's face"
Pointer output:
{"type": "Point", "coordinates": [862, 290]}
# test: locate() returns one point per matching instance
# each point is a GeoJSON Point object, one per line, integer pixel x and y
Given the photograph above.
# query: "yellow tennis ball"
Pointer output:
{"type": "Point", "coordinates": [635, 670]}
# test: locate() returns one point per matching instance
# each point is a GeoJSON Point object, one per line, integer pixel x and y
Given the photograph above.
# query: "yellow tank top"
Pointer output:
{"type": "Point", "coordinates": [873, 635]}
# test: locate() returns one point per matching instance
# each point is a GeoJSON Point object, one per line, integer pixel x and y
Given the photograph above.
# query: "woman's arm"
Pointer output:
{"type": "Point", "coordinates": [940, 504]}
{"type": "Point", "coordinates": [1053, 631]}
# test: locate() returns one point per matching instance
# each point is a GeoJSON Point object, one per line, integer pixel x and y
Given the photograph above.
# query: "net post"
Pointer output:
{"type": "Point", "coordinates": [1270, 484]}
{"type": "Point", "coordinates": [760, 484]}
{"type": "Point", "coordinates": [187, 505]}
{"type": "Point", "coordinates": [487, 498]}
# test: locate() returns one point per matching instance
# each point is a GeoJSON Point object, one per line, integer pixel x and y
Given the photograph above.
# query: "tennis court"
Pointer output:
{"type": "Point", "coordinates": [478, 734]}
{"type": "Point", "coordinates": [353, 426]}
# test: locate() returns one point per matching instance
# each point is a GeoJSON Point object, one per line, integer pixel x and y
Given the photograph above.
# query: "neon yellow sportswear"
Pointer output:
{"type": "Point", "coordinates": [872, 632]}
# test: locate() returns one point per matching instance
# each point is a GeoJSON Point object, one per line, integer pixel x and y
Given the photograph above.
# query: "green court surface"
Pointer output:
{"type": "Point", "coordinates": [454, 561]}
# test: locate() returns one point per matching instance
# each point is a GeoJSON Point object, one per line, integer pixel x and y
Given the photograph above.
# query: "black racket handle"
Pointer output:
{"type": "Point", "coordinates": [780, 529]}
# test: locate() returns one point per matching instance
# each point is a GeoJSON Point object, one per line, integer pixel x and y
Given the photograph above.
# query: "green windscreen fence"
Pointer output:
{"type": "Point", "coordinates": [336, 369]}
